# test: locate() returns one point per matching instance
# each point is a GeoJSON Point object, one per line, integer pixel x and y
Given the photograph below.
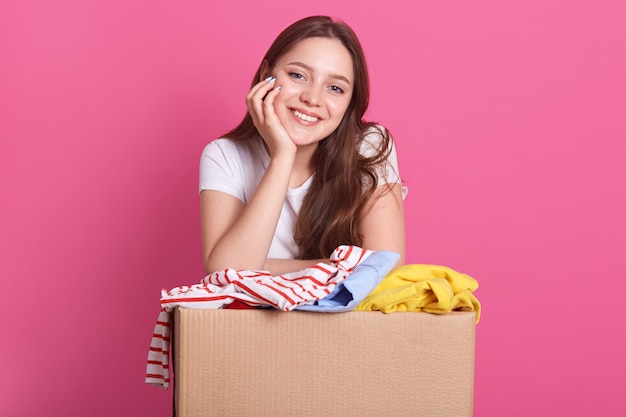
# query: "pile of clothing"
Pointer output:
{"type": "Point", "coordinates": [355, 279]}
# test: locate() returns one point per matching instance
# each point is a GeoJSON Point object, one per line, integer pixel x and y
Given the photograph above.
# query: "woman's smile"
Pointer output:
{"type": "Point", "coordinates": [305, 117]}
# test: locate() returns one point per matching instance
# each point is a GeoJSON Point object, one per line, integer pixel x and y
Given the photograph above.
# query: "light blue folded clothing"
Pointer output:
{"type": "Point", "coordinates": [351, 291]}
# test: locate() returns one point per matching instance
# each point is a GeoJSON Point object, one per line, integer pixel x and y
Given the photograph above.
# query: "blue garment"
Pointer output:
{"type": "Point", "coordinates": [351, 291]}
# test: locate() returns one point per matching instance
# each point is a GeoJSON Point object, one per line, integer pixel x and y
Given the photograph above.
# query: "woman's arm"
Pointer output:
{"type": "Point", "coordinates": [382, 222]}
{"type": "Point", "coordinates": [220, 212]}
{"type": "Point", "coordinates": [282, 266]}
{"type": "Point", "coordinates": [239, 236]}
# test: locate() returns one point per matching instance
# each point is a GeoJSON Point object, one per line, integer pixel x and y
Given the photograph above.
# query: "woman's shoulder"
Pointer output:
{"type": "Point", "coordinates": [376, 139]}
{"type": "Point", "coordinates": [375, 129]}
{"type": "Point", "coordinates": [231, 148]}
{"type": "Point", "coordinates": [225, 164]}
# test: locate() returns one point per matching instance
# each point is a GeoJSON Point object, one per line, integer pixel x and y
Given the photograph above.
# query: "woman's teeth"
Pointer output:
{"type": "Point", "coordinates": [305, 117]}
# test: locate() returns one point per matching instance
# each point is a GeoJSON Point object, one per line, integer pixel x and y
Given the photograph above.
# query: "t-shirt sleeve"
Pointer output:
{"type": "Point", "coordinates": [220, 168]}
{"type": "Point", "coordinates": [388, 171]}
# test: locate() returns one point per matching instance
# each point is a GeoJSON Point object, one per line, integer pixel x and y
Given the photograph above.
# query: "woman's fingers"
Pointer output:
{"type": "Point", "coordinates": [268, 100]}
{"type": "Point", "coordinates": [268, 105]}
{"type": "Point", "coordinates": [255, 97]}
{"type": "Point", "coordinates": [260, 102]}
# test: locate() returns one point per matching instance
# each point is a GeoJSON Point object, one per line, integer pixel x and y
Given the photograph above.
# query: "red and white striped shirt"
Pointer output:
{"type": "Point", "coordinates": [256, 288]}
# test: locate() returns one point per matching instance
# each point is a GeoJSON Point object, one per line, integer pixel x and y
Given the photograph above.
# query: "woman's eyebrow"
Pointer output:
{"type": "Point", "coordinates": [308, 68]}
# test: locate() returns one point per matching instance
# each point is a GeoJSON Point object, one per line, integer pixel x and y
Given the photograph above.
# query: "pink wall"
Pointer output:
{"type": "Point", "coordinates": [510, 122]}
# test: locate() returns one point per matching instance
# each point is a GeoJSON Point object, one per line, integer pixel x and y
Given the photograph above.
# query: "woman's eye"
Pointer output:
{"type": "Point", "coordinates": [296, 75]}
{"type": "Point", "coordinates": [336, 89]}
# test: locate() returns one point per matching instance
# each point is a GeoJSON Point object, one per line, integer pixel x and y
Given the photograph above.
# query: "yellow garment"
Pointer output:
{"type": "Point", "coordinates": [428, 288]}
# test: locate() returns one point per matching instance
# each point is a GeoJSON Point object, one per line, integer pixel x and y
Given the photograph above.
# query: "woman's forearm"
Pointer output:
{"type": "Point", "coordinates": [283, 266]}
{"type": "Point", "coordinates": [245, 244]}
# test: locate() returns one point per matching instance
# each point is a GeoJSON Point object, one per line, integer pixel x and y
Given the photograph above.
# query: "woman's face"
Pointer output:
{"type": "Point", "coordinates": [317, 79]}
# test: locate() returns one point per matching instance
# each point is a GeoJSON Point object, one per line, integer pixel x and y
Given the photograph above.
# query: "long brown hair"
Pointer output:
{"type": "Point", "coordinates": [343, 178]}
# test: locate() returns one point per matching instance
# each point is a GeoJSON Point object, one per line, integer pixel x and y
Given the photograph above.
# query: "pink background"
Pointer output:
{"type": "Point", "coordinates": [509, 116]}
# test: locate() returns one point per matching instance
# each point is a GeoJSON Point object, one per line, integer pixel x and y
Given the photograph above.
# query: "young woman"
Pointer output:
{"type": "Point", "coordinates": [303, 172]}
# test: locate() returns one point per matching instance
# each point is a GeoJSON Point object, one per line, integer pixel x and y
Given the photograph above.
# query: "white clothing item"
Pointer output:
{"type": "Point", "coordinates": [256, 288]}
{"type": "Point", "coordinates": [236, 168]}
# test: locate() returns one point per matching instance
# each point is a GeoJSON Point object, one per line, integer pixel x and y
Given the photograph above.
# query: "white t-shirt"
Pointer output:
{"type": "Point", "coordinates": [236, 168]}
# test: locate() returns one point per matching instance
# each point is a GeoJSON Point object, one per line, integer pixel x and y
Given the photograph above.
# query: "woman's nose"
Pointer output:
{"type": "Point", "coordinates": [311, 95]}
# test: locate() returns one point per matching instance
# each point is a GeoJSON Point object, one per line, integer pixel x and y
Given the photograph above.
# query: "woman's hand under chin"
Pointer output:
{"type": "Point", "coordinates": [260, 103]}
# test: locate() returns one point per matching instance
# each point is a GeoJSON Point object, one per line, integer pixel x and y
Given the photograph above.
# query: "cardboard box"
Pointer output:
{"type": "Point", "coordinates": [272, 363]}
